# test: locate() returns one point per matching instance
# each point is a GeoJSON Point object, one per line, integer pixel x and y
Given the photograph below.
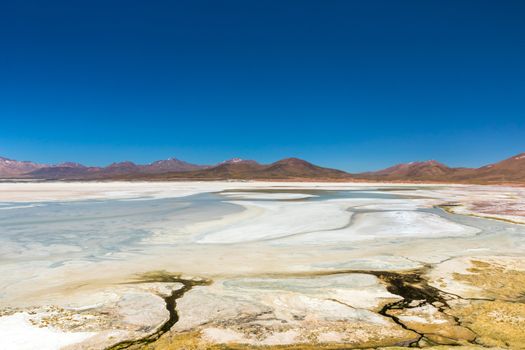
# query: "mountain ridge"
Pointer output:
{"type": "Point", "coordinates": [510, 170]}
{"type": "Point", "coordinates": [288, 168]}
{"type": "Point", "coordinates": [72, 170]}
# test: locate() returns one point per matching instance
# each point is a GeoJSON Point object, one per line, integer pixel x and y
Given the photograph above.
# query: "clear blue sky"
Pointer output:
{"type": "Point", "coordinates": [357, 85]}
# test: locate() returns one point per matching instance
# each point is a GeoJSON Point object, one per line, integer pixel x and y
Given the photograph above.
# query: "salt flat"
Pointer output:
{"type": "Point", "coordinates": [89, 265]}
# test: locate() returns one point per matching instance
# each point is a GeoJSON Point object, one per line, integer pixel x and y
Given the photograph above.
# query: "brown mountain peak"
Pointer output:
{"type": "Point", "coordinates": [293, 161]}
{"type": "Point", "coordinates": [123, 164]}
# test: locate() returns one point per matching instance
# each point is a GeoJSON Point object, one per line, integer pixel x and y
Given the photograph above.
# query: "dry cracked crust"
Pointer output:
{"type": "Point", "coordinates": [447, 321]}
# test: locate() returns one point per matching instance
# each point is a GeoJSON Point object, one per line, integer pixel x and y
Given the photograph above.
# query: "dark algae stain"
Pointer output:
{"type": "Point", "coordinates": [415, 291]}
{"type": "Point", "coordinates": [171, 303]}
{"type": "Point", "coordinates": [412, 288]}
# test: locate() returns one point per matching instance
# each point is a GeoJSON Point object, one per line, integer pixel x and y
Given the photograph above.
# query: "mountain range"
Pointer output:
{"type": "Point", "coordinates": [511, 170]}
{"type": "Point", "coordinates": [284, 169]}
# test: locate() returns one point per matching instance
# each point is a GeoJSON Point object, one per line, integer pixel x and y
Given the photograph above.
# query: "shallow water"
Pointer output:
{"type": "Point", "coordinates": [97, 229]}
{"type": "Point", "coordinates": [40, 242]}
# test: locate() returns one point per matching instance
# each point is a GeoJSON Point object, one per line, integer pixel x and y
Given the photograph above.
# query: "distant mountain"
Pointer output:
{"type": "Point", "coordinates": [171, 164]}
{"type": "Point", "coordinates": [121, 168]}
{"type": "Point", "coordinates": [64, 171]}
{"type": "Point", "coordinates": [76, 171]}
{"type": "Point", "coordinates": [511, 170]}
{"type": "Point", "coordinates": [290, 168]}
{"type": "Point", "coordinates": [427, 170]}
{"type": "Point", "coordinates": [235, 168]}
{"type": "Point", "coordinates": [298, 168]}
{"type": "Point", "coordinates": [14, 168]}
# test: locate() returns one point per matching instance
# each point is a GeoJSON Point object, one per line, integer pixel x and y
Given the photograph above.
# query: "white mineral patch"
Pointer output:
{"type": "Point", "coordinates": [221, 335]}
{"type": "Point", "coordinates": [356, 290]}
{"type": "Point", "coordinates": [330, 337]}
{"type": "Point", "coordinates": [386, 225]}
{"type": "Point", "coordinates": [280, 219]}
{"type": "Point", "coordinates": [161, 289]}
{"type": "Point", "coordinates": [407, 223]}
{"type": "Point", "coordinates": [338, 297]}
{"type": "Point", "coordinates": [426, 314]}
{"type": "Point", "coordinates": [262, 195]}
{"type": "Point", "coordinates": [17, 332]}
{"type": "Point", "coordinates": [290, 310]}
{"type": "Point", "coordinates": [142, 309]}
{"type": "Point", "coordinates": [280, 338]}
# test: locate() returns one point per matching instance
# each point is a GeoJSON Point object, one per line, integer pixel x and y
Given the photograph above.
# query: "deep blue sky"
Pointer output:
{"type": "Point", "coordinates": [357, 85]}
